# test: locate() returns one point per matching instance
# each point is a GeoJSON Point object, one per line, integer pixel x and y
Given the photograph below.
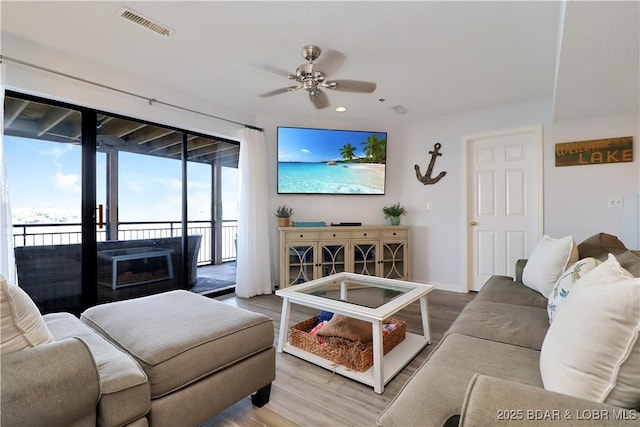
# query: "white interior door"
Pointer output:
{"type": "Point", "coordinates": [504, 201]}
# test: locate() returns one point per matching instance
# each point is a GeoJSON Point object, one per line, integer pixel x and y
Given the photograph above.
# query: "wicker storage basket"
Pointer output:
{"type": "Point", "coordinates": [353, 355]}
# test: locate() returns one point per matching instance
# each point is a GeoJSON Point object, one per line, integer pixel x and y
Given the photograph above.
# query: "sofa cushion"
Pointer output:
{"type": "Point", "coordinates": [492, 401]}
{"type": "Point", "coordinates": [56, 384]}
{"type": "Point", "coordinates": [505, 289]}
{"type": "Point", "coordinates": [600, 245]}
{"type": "Point", "coordinates": [179, 337]}
{"type": "Point", "coordinates": [21, 324]}
{"type": "Point", "coordinates": [565, 283]}
{"type": "Point", "coordinates": [592, 349]}
{"type": "Point", "coordinates": [506, 323]}
{"type": "Point", "coordinates": [548, 260]}
{"type": "Point", "coordinates": [630, 261]}
{"type": "Point", "coordinates": [125, 394]}
{"type": "Point", "coordinates": [436, 390]}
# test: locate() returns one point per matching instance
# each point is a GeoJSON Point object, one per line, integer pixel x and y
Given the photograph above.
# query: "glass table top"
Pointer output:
{"type": "Point", "coordinates": [367, 293]}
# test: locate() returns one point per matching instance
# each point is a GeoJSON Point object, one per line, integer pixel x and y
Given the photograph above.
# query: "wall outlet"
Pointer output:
{"type": "Point", "coordinates": [615, 202]}
{"type": "Point", "coordinates": [429, 206]}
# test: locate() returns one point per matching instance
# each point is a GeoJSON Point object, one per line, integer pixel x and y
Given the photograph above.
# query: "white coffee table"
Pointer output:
{"type": "Point", "coordinates": [367, 298]}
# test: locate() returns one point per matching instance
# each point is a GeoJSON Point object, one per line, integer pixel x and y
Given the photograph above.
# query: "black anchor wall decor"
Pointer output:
{"type": "Point", "coordinates": [426, 179]}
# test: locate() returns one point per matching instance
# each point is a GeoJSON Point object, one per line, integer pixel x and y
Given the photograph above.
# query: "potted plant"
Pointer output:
{"type": "Point", "coordinates": [394, 212]}
{"type": "Point", "coordinates": [283, 213]}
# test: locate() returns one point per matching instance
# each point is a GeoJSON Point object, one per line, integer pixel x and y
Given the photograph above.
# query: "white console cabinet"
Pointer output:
{"type": "Point", "coordinates": [308, 253]}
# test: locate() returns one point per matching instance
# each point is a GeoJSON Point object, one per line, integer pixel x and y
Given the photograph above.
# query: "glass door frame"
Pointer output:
{"type": "Point", "coordinates": [89, 119]}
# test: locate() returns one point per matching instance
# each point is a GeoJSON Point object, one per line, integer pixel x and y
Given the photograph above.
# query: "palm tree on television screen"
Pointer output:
{"type": "Point", "coordinates": [348, 151]}
{"type": "Point", "coordinates": [375, 148]}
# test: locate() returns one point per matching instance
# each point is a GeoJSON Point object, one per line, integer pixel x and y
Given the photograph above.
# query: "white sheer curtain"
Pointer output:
{"type": "Point", "coordinates": [253, 273]}
{"type": "Point", "coordinates": [7, 260]}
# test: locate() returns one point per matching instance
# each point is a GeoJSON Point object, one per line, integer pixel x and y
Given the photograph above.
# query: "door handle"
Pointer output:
{"type": "Point", "coordinates": [473, 223]}
{"type": "Point", "coordinates": [100, 216]}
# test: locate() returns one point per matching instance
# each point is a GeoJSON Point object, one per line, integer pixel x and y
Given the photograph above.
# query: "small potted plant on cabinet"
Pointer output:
{"type": "Point", "coordinates": [283, 213]}
{"type": "Point", "coordinates": [394, 212]}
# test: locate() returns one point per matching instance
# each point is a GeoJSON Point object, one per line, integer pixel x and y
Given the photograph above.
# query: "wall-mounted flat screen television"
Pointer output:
{"type": "Point", "coordinates": [331, 161]}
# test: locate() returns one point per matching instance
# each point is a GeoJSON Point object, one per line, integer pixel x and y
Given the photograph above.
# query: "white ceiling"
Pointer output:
{"type": "Point", "coordinates": [433, 58]}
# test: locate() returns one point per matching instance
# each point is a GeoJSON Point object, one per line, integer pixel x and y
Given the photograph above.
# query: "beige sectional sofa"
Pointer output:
{"type": "Point", "coordinates": [169, 359]}
{"type": "Point", "coordinates": [487, 369]}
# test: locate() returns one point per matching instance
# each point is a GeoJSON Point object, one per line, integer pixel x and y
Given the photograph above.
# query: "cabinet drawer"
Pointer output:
{"type": "Point", "coordinates": [364, 234]}
{"type": "Point", "coordinates": [292, 236]}
{"type": "Point", "coordinates": [397, 234]}
{"type": "Point", "coordinates": [331, 235]}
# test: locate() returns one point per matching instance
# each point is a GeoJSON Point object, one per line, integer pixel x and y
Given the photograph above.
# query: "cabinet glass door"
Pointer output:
{"type": "Point", "coordinates": [364, 258]}
{"type": "Point", "coordinates": [301, 263]}
{"type": "Point", "coordinates": [333, 259]}
{"type": "Point", "coordinates": [393, 256]}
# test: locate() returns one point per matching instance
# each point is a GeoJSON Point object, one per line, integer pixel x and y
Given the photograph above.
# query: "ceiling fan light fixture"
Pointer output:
{"type": "Point", "coordinates": [311, 52]}
{"type": "Point", "coordinates": [310, 85]}
{"type": "Point", "coordinates": [313, 80]}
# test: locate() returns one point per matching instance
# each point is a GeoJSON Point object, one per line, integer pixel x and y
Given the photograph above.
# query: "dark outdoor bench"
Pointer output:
{"type": "Point", "coordinates": [53, 272]}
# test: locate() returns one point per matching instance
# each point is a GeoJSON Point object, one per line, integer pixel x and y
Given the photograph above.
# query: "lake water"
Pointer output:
{"type": "Point", "coordinates": [362, 178]}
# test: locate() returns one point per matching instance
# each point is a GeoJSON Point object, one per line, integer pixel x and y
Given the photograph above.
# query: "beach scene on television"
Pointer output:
{"type": "Point", "coordinates": [324, 161]}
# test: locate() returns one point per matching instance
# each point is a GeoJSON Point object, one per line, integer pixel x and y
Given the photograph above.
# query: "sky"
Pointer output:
{"type": "Point", "coordinates": [318, 145]}
{"type": "Point", "coordinates": [47, 176]}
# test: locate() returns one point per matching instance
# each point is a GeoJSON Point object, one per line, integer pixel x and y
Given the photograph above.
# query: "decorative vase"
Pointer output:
{"type": "Point", "coordinates": [283, 222]}
{"type": "Point", "coordinates": [395, 220]}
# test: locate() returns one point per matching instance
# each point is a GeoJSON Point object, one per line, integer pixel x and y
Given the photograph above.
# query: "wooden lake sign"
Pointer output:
{"type": "Point", "coordinates": [609, 150]}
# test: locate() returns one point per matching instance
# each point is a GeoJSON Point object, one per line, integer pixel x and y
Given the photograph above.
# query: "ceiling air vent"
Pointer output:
{"type": "Point", "coordinates": [145, 22]}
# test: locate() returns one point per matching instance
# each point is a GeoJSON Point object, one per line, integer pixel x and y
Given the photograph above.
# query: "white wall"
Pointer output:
{"type": "Point", "coordinates": [574, 201]}
{"type": "Point", "coordinates": [340, 208]}
{"type": "Point", "coordinates": [41, 83]}
{"type": "Point", "coordinates": [327, 208]}
{"type": "Point", "coordinates": [438, 233]}
{"type": "Point", "coordinates": [575, 197]}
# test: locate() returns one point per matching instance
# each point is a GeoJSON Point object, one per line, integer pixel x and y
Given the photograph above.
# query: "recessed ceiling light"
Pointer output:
{"type": "Point", "coordinates": [341, 109]}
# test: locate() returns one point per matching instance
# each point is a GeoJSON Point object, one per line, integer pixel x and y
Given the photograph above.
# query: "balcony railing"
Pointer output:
{"type": "Point", "coordinates": [70, 233]}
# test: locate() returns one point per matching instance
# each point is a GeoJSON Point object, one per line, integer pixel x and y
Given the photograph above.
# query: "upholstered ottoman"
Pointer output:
{"type": "Point", "coordinates": [200, 355]}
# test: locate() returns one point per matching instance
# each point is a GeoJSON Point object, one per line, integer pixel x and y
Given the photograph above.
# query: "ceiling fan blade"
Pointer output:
{"type": "Point", "coordinates": [269, 68]}
{"type": "Point", "coordinates": [279, 91]}
{"type": "Point", "coordinates": [351, 86]}
{"type": "Point", "coordinates": [320, 99]}
{"type": "Point", "coordinates": [329, 62]}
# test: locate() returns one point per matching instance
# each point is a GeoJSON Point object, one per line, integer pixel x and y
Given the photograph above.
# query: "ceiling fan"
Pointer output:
{"type": "Point", "coordinates": [311, 77]}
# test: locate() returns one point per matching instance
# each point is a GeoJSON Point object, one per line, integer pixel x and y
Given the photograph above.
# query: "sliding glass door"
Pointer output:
{"type": "Point", "coordinates": [44, 167]}
{"type": "Point", "coordinates": [143, 251]}
{"type": "Point", "coordinates": [107, 207]}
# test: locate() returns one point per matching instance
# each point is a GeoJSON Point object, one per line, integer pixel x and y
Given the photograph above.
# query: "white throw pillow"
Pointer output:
{"type": "Point", "coordinates": [566, 282]}
{"type": "Point", "coordinates": [21, 324]}
{"type": "Point", "coordinates": [592, 348]}
{"type": "Point", "coordinates": [548, 260]}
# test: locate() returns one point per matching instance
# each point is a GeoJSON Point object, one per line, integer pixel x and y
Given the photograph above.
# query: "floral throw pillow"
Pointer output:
{"type": "Point", "coordinates": [566, 282]}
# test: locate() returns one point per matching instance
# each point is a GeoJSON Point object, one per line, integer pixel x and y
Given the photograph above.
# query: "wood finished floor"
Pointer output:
{"type": "Point", "coordinates": [306, 395]}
